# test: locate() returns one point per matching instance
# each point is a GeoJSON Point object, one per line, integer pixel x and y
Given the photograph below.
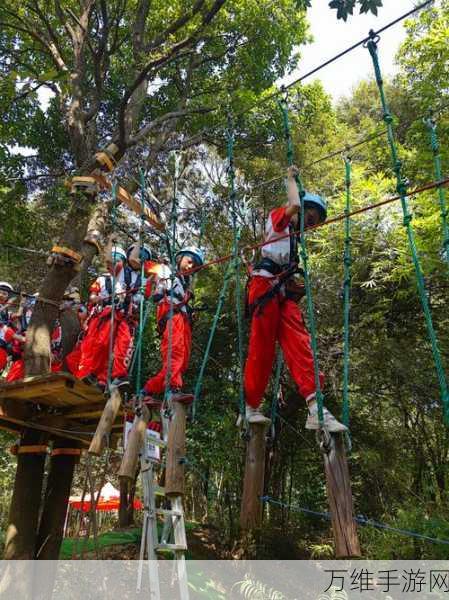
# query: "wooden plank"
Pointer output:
{"type": "Point", "coordinates": [83, 412]}
{"type": "Point", "coordinates": [339, 494]}
{"type": "Point", "coordinates": [125, 197]}
{"type": "Point", "coordinates": [56, 389]}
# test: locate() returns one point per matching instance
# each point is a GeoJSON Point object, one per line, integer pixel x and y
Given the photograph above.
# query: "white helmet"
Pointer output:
{"type": "Point", "coordinates": [6, 287]}
{"type": "Point", "coordinates": [118, 253]}
{"type": "Point", "coordinates": [196, 253]}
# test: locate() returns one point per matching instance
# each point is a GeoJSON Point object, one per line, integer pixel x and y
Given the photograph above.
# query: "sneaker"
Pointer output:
{"type": "Point", "coordinates": [329, 421]}
{"type": "Point", "coordinates": [254, 415]}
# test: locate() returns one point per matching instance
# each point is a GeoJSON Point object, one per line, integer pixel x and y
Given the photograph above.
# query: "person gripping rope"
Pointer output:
{"type": "Point", "coordinates": [181, 323]}
{"type": "Point", "coordinates": [273, 293]}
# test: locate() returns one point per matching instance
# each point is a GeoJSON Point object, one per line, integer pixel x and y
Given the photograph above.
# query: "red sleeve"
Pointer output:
{"type": "Point", "coordinates": [279, 219]}
{"type": "Point", "coordinates": [95, 287]}
{"type": "Point", "coordinates": [9, 335]}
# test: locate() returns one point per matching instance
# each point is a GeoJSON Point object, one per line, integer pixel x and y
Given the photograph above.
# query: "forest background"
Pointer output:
{"type": "Point", "coordinates": [400, 444]}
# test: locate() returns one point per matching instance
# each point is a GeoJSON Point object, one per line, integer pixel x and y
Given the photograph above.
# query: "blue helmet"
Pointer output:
{"type": "Point", "coordinates": [145, 252]}
{"type": "Point", "coordinates": [318, 202]}
{"type": "Point", "coordinates": [196, 253]}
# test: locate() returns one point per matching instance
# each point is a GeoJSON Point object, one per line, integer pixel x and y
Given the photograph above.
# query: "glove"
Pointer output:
{"type": "Point", "coordinates": [294, 289]}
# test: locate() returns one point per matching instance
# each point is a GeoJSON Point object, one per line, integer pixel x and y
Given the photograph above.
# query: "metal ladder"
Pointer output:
{"type": "Point", "coordinates": [173, 536]}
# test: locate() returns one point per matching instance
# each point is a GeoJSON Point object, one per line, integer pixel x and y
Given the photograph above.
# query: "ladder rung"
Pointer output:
{"type": "Point", "coordinates": [167, 512]}
{"type": "Point", "coordinates": [169, 547]}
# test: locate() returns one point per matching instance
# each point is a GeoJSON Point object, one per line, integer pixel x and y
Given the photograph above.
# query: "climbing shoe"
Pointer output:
{"type": "Point", "coordinates": [329, 421]}
{"type": "Point", "coordinates": [254, 415]}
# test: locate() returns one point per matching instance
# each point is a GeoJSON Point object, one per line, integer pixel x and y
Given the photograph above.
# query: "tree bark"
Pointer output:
{"type": "Point", "coordinates": [21, 533]}
{"type": "Point", "coordinates": [56, 501]}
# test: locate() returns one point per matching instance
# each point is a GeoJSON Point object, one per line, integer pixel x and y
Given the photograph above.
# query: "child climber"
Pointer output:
{"type": "Point", "coordinates": [272, 297]}
{"type": "Point", "coordinates": [179, 346]}
{"type": "Point", "coordinates": [94, 350]}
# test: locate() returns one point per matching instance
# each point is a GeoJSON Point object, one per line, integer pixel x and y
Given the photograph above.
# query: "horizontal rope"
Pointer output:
{"type": "Point", "coordinates": [362, 520]}
{"type": "Point", "coordinates": [221, 259]}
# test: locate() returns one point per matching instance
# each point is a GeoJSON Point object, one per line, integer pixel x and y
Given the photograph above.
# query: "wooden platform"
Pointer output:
{"type": "Point", "coordinates": [58, 403]}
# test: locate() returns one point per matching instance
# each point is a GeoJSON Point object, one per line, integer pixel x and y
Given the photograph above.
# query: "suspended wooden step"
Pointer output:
{"type": "Point", "coordinates": [57, 403]}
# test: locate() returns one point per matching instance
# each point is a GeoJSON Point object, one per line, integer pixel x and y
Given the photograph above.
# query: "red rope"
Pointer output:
{"type": "Point", "coordinates": [419, 190]}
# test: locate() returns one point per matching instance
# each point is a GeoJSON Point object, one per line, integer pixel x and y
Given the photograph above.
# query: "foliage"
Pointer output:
{"type": "Point", "coordinates": [400, 445]}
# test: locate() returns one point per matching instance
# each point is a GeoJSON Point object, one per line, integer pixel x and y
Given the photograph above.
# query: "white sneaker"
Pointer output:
{"type": "Point", "coordinates": [254, 415]}
{"type": "Point", "coordinates": [329, 421]}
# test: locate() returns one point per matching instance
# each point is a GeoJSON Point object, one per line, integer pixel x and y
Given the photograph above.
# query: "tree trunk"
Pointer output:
{"type": "Point", "coordinates": [21, 533]}
{"type": "Point", "coordinates": [51, 291]}
{"type": "Point", "coordinates": [56, 501]}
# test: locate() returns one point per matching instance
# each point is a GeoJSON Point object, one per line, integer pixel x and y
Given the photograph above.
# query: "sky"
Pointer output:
{"type": "Point", "coordinates": [332, 35]}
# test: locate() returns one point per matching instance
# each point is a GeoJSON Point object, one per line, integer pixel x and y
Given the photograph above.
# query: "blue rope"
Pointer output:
{"type": "Point", "coordinates": [361, 519]}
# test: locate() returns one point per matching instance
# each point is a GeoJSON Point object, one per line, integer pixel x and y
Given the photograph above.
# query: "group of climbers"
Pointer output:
{"type": "Point", "coordinates": [109, 320]}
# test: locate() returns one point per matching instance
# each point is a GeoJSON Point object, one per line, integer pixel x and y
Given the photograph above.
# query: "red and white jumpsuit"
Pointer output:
{"type": "Point", "coordinates": [6, 339]}
{"type": "Point", "coordinates": [180, 327]}
{"type": "Point", "coordinates": [280, 319]}
{"type": "Point", "coordinates": [95, 346]}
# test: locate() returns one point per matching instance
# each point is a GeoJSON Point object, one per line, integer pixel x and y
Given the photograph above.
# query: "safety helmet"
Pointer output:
{"type": "Point", "coordinates": [145, 252]}
{"type": "Point", "coordinates": [6, 287]}
{"type": "Point", "coordinates": [118, 253]}
{"type": "Point", "coordinates": [318, 202]}
{"type": "Point", "coordinates": [196, 253]}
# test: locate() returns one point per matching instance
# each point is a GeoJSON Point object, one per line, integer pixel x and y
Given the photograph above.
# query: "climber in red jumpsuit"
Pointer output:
{"type": "Point", "coordinates": [95, 349]}
{"type": "Point", "coordinates": [272, 298]}
{"type": "Point", "coordinates": [174, 324]}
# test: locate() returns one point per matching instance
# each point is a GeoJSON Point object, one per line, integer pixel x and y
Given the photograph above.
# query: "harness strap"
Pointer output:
{"type": "Point", "coordinates": [262, 301]}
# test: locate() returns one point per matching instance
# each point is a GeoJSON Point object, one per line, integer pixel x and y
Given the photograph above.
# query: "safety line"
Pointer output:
{"type": "Point", "coordinates": [362, 520]}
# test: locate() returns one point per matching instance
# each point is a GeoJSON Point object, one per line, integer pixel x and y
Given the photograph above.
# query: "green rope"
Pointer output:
{"type": "Point", "coordinates": [237, 260]}
{"type": "Point", "coordinates": [276, 388]}
{"type": "Point", "coordinates": [402, 191]}
{"type": "Point", "coordinates": [138, 353]}
{"type": "Point", "coordinates": [174, 220]}
{"type": "Point", "coordinates": [199, 382]}
{"type": "Point", "coordinates": [347, 260]}
{"type": "Point", "coordinates": [148, 305]}
{"type": "Point", "coordinates": [435, 145]}
{"type": "Point", "coordinates": [111, 337]}
{"type": "Point", "coordinates": [304, 256]}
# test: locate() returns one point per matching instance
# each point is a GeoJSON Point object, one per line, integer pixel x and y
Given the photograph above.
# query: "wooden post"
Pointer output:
{"type": "Point", "coordinates": [176, 451]}
{"type": "Point", "coordinates": [136, 440]}
{"type": "Point", "coordinates": [340, 500]}
{"type": "Point", "coordinates": [252, 508]}
{"type": "Point", "coordinates": [59, 482]}
{"type": "Point", "coordinates": [106, 422]}
{"type": "Point", "coordinates": [26, 500]}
